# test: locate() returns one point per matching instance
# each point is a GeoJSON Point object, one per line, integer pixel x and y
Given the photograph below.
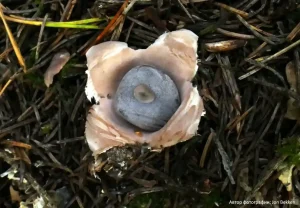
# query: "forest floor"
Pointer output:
{"type": "Point", "coordinates": [246, 152]}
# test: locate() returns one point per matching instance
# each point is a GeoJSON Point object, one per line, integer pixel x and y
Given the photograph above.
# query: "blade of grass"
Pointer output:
{"type": "Point", "coordinates": [65, 17]}
{"type": "Point", "coordinates": [84, 21]}
{"type": "Point", "coordinates": [73, 24]}
{"type": "Point", "coordinates": [87, 21]}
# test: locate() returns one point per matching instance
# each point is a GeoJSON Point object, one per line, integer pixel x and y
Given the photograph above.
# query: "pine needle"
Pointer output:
{"type": "Point", "coordinates": [13, 43]}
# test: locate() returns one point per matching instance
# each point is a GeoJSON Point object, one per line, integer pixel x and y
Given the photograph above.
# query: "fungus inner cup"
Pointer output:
{"type": "Point", "coordinates": [146, 98]}
{"type": "Point", "coordinates": [107, 126]}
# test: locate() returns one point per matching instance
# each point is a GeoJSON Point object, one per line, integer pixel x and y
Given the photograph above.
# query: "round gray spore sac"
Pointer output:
{"type": "Point", "coordinates": [146, 98]}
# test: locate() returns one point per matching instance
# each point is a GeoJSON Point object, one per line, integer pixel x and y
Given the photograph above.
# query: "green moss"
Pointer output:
{"type": "Point", "coordinates": [40, 4]}
{"type": "Point", "coordinates": [294, 16]}
{"type": "Point", "coordinates": [46, 129]}
{"type": "Point", "coordinates": [157, 200]}
{"type": "Point", "coordinates": [35, 79]}
{"type": "Point", "coordinates": [30, 61]}
{"type": "Point", "coordinates": [291, 149]}
{"type": "Point", "coordinates": [69, 71]}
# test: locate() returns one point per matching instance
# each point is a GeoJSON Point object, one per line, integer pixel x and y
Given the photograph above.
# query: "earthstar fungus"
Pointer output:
{"type": "Point", "coordinates": [143, 96]}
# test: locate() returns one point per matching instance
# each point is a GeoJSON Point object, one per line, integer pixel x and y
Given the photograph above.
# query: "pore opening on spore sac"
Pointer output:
{"type": "Point", "coordinates": [143, 94]}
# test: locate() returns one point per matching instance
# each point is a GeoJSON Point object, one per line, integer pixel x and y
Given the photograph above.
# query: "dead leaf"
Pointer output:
{"type": "Point", "coordinates": [293, 110]}
{"type": "Point", "coordinates": [243, 179]}
{"type": "Point", "coordinates": [152, 13]}
{"type": "Point", "coordinates": [293, 107]}
{"type": "Point", "coordinates": [16, 144]}
{"type": "Point", "coordinates": [20, 154]}
{"type": "Point", "coordinates": [286, 176]}
{"type": "Point", "coordinates": [226, 45]}
{"type": "Point", "coordinates": [14, 195]}
{"type": "Point", "coordinates": [290, 71]}
{"type": "Point", "coordinates": [57, 63]}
